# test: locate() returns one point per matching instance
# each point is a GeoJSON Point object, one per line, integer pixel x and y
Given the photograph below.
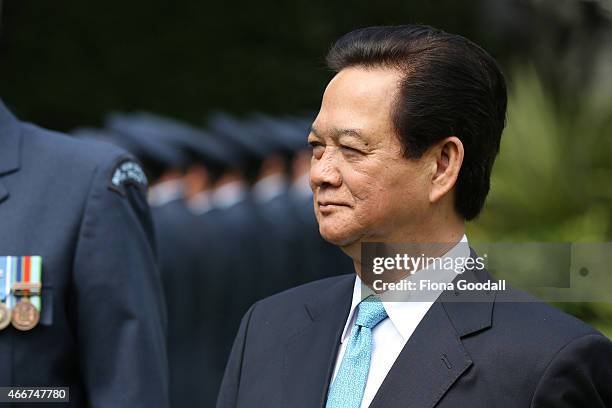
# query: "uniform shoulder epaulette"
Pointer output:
{"type": "Point", "coordinates": [126, 171]}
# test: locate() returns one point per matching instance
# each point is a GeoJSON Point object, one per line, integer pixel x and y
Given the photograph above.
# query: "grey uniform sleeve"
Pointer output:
{"type": "Point", "coordinates": [228, 393]}
{"type": "Point", "coordinates": [579, 376]}
{"type": "Point", "coordinates": [121, 319]}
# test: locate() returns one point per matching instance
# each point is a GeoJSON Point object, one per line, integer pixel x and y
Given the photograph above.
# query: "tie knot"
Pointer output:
{"type": "Point", "coordinates": [371, 312]}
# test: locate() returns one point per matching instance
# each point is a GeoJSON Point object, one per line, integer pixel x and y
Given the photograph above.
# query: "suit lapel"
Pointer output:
{"type": "Point", "coordinates": [311, 353]}
{"type": "Point", "coordinates": [434, 356]}
{"type": "Point", "coordinates": [10, 141]}
{"type": "Point", "coordinates": [429, 364]}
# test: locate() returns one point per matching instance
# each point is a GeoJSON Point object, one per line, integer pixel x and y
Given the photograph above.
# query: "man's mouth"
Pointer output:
{"type": "Point", "coordinates": [325, 206]}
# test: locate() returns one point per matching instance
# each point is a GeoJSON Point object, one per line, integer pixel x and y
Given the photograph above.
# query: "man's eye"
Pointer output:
{"type": "Point", "coordinates": [317, 149]}
{"type": "Point", "coordinates": [350, 150]}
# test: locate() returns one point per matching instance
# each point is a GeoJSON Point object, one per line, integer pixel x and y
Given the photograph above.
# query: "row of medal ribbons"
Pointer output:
{"type": "Point", "coordinates": [20, 291]}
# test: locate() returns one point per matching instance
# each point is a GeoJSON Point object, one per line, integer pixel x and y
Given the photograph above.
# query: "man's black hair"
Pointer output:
{"type": "Point", "coordinates": [450, 87]}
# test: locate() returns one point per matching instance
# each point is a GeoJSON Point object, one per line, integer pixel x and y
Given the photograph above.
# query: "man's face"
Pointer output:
{"type": "Point", "coordinates": [364, 189]}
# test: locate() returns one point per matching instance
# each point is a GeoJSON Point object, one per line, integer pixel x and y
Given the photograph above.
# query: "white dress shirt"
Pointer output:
{"type": "Point", "coordinates": [392, 333]}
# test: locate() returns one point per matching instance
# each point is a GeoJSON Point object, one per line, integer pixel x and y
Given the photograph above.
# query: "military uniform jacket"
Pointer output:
{"type": "Point", "coordinates": [102, 319]}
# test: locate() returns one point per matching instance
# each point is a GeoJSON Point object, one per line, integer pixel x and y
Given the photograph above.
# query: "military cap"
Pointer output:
{"type": "Point", "coordinates": [287, 134]}
{"type": "Point", "coordinates": [141, 139]}
{"type": "Point", "coordinates": [240, 135]}
{"type": "Point", "coordinates": [198, 144]}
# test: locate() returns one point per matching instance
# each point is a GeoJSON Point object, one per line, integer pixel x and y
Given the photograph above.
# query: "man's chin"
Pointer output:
{"type": "Point", "coordinates": [338, 237]}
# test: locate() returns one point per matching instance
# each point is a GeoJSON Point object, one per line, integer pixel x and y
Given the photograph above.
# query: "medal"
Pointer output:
{"type": "Point", "coordinates": [5, 316]}
{"type": "Point", "coordinates": [26, 288]}
{"type": "Point", "coordinates": [25, 315]}
{"type": "Point", "coordinates": [5, 312]}
{"type": "Point", "coordinates": [22, 291]}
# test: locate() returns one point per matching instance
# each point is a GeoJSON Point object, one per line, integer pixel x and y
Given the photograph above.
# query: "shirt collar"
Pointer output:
{"type": "Point", "coordinates": [269, 187]}
{"type": "Point", "coordinates": [406, 315]}
{"type": "Point", "coordinates": [229, 194]}
{"type": "Point", "coordinates": [165, 192]}
{"type": "Point", "coordinates": [200, 203]}
{"type": "Point", "coordinates": [301, 187]}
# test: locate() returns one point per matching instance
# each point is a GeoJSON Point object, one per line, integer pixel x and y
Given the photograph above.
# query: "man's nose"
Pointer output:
{"type": "Point", "coordinates": [325, 171]}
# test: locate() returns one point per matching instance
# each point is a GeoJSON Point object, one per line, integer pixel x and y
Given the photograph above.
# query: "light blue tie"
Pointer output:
{"type": "Point", "coordinates": [347, 388]}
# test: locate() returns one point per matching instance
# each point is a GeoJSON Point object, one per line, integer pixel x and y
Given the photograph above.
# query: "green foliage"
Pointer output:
{"type": "Point", "coordinates": [553, 178]}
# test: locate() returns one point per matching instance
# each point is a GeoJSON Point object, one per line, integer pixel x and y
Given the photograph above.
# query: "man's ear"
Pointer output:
{"type": "Point", "coordinates": [448, 156]}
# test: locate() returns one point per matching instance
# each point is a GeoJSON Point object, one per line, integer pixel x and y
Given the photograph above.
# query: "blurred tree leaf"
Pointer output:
{"type": "Point", "coordinates": [553, 178]}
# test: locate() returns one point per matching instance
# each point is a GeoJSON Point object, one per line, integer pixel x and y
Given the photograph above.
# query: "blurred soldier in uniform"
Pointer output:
{"type": "Point", "coordinates": [197, 357]}
{"type": "Point", "coordinates": [191, 248]}
{"type": "Point", "coordinates": [319, 259]}
{"type": "Point", "coordinates": [164, 166]}
{"type": "Point", "coordinates": [237, 212]}
{"type": "Point", "coordinates": [270, 195]}
{"type": "Point", "coordinates": [82, 305]}
{"type": "Point", "coordinates": [306, 256]}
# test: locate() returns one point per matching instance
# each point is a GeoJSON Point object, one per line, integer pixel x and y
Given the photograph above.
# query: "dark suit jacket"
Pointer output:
{"type": "Point", "coordinates": [102, 323]}
{"type": "Point", "coordinates": [489, 353]}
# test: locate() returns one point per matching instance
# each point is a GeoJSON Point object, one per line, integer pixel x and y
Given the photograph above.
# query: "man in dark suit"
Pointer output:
{"type": "Point", "coordinates": [78, 209]}
{"type": "Point", "coordinates": [403, 148]}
